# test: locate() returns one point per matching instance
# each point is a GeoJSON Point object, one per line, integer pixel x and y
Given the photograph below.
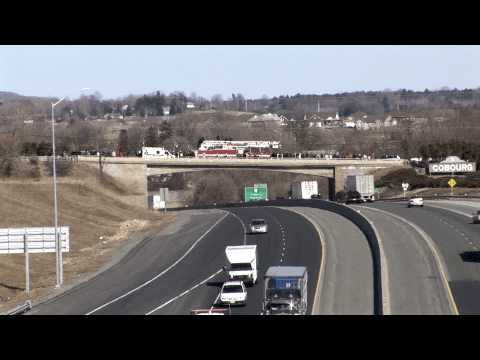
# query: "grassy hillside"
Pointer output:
{"type": "Point", "coordinates": [96, 211]}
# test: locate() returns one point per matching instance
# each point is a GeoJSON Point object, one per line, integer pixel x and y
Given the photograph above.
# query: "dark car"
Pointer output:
{"type": "Point", "coordinates": [316, 196]}
{"type": "Point", "coordinates": [354, 197]}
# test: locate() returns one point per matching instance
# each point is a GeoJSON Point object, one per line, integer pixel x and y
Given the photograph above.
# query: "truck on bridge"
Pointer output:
{"type": "Point", "coordinates": [152, 153]}
{"type": "Point", "coordinates": [285, 290]}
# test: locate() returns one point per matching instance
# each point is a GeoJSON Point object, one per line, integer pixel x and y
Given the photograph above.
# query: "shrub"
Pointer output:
{"type": "Point", "coordinates": [7, 166]}
{"type": "Point", "coordinates": [341, 196]}
{"type": "Point", "coordinates": [63, 167]}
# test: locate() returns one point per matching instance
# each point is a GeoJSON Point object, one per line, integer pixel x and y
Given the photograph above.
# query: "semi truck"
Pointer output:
{"type": "Point", "coordinates": [304, 189]}
{"type": "Point", "coordinates": [243, 263]}
{"type": "Point", "coordinates": [285, 291]}
{"type": "Point", "coordinates": [363, 184]}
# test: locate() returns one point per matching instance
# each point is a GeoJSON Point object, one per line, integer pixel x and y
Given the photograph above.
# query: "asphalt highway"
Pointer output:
{"type": "Point", "coordinates": [143, 262]}
{"type": "Point", "coordinates": [180, 269]}
{"type": "Point", "coordinates": [347, 284]}
{"type": "Point", "coordinates": [291, 241]}
{"type": "Point", "coordinates": [458, 241]}
{"type": "Point", "coordinates": [415, 285]}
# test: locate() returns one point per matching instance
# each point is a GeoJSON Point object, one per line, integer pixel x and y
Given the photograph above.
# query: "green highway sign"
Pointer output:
{"type": "Point", "coordinates": [255, 193]}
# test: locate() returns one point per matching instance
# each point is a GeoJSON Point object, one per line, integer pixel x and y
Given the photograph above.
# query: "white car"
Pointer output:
{"type": "Point", "coordinates": [417, 201]}
{"type": "Point", "coordinates": [258, 226]}
{"type": "Point", "coordinates": [233, 293]}
{"type": "Point", "coordinates": [476, 217]}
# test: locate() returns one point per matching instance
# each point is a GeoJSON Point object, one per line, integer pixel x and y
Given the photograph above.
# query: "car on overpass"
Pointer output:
{"type": "Point", "coordinates": [416, 201]}
{"type": "Point", "coordinates": [258, 226]}
{"type": "Point", "coordinates": [476, 217]}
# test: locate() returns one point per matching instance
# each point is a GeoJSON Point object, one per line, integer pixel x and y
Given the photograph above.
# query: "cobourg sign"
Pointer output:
{"type": "Point", "coordinates": [451, 167]}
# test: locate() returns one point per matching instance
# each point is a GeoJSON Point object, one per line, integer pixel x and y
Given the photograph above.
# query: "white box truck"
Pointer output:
{"type": "Point", "coordinates": [304, 189]}
{"type": "Point", "coordinates": [243, 263]}
{"type": "Point", "coordinates": [363, 184]}
{"type": "Point", "coordinates": [156, 153]}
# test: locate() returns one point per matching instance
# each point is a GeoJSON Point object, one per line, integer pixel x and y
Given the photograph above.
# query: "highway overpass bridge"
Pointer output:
{"type": "Point", "coordinates": [134, 172]}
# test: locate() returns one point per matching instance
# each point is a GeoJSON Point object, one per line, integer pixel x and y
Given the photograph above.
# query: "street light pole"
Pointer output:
{"type": "Point", "coordinates": [58, 243]}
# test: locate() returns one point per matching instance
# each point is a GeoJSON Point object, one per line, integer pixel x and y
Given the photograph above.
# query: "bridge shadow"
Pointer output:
{"type": "Point", "coordinates": [471, 256]}
{"type": "Point", "coordinates": [215, 283]}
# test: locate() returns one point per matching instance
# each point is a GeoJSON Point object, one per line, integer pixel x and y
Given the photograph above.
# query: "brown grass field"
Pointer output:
{"type": "Point", "coordinates": [100, 220]}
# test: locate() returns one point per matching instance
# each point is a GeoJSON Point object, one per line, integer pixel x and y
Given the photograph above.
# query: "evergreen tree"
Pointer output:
{"type": "Point", "coordinates": [151, 137]}
{"type": "Point", "coordinates": [123, 143]}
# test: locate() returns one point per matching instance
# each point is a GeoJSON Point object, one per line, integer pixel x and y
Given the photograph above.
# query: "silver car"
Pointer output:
{"type": "Point", "coordinates": [258, 226]}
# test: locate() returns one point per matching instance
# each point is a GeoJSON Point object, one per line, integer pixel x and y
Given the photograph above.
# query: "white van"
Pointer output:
{"type": "Point", "coordinates": [156, 153]}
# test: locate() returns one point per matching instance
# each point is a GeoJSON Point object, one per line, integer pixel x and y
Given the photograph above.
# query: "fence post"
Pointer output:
{"type": "Point", "coordinates": [27, 265]}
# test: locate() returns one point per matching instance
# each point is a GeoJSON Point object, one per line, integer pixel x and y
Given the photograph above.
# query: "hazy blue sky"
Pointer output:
{"type": "Point", "coordinates": [117, 71]}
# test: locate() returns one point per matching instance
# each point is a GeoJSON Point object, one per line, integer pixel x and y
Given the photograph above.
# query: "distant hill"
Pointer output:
{"type": "Point", "coordinates": [9, 96]}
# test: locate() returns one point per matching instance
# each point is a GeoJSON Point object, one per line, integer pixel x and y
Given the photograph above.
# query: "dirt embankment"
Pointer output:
{"type": "Point", "coordinates": [96, 210]}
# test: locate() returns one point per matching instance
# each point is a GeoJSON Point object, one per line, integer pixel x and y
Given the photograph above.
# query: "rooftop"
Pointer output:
{"type": "Point", "coordinates": [286, 271]}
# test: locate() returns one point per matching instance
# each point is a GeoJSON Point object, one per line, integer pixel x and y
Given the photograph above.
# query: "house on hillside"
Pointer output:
{"type": "Point", "coordinates": [269, 118]}
{"type": "Point", "coordinates": [166, 110]}
{"type": "Point", "coordinates": [391, 121]}
{"type": "Point", "coordinates": [314, 120]}
{"type": "Point", "coordinates": [110, 116]}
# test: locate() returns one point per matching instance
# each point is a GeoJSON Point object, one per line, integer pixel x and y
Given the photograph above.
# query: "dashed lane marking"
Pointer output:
{"type": "Point", "coordinates": [164, 271]}
{"type": "Point", "coordinates": [185, 292]}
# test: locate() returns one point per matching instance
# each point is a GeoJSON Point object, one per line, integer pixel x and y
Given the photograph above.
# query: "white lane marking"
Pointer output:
{"type": "Point", "coordinates": [185, 292]}
{"type": "Point", "coordinates": [437, 255]}
{"type": "Point", "coordinates": [163, 272]}
{"type": "Point", "coordinates": [215, 301]}
{"type": "Point", "coordinates": [243, 226]}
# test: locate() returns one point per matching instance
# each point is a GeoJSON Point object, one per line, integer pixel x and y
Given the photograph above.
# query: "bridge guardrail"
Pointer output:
{"type": "Point", "coordinates": [21, 309]}
{"type": "Point", "coordinates": [359, 220]}
{"type": "Point", "coordinates": [429, 197]}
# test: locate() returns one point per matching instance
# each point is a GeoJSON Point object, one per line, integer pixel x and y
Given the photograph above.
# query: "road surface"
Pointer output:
{"type": "Point", "coordinates": [458, 241]}
{"type": "Point", "coordinates": [179, 269]}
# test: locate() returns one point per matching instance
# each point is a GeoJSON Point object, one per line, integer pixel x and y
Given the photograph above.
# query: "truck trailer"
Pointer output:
{"type": "Point", "coordinates": [285, 291]}
{"type": "Point", "coordinates": [304, 189]}
{"type": "Point", "coordinates": [363, 184]}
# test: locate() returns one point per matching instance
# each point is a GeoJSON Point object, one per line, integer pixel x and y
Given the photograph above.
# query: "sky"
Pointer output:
{"type": "Point", "coordinates": [254, 71]}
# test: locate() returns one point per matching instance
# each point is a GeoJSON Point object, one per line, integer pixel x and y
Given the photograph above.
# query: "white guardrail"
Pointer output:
{"type": "Point", "coordinates": [21, 309]}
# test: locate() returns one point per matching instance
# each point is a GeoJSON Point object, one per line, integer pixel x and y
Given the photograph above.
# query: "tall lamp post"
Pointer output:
{"type": "Point", "coordinates": [58, 243]}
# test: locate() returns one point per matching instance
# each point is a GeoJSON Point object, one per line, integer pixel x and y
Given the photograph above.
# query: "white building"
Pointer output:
{"type": "Point", "coordinates": [166, 110]}
{"type": "Point", "coordinates": [349, 124]}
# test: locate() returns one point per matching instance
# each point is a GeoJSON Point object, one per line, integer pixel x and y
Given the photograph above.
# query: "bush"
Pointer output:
{"type": "Point", "coordinates": [63, 167]}
{"type": "Point", "coordinates": [7, 166]}
{"type": "Point", "coordinates": [340, 196]}
{"type": "Point", "coordinates": [396, 178]}
{"type": "Point", "coordinates": [470, 181]}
